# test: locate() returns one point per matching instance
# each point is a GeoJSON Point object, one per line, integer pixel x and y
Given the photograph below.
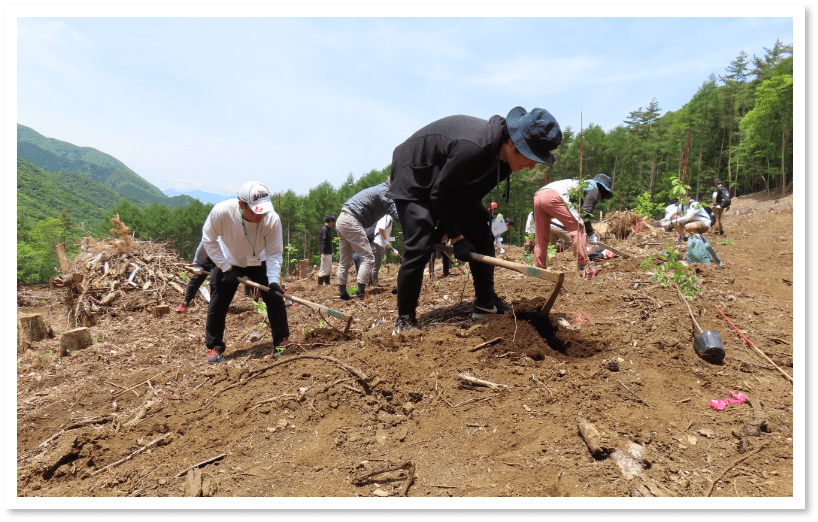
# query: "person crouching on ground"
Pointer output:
{"type": "Point", "coordinates": [361, 211]}
{"type": "Point", "coordinates": [325, 247]}
{"type": "Point", "coordinates": [235, 233]}
{"type": "Point", "coordinates": [691, 219]}
{"type": "Point", "coordinates": [559, 200]}
{"type": "Point", "coordinates": [441, 174]}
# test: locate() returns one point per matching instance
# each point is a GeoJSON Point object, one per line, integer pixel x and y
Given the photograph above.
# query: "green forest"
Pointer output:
{"type": "Point", "coordinates": [737, 126]}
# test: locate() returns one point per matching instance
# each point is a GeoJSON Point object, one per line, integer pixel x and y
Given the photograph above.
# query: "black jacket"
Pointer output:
{"type": "Point", "coordinates": [450, 164]}
{"type": "Point", "coordinates": [326, 239]}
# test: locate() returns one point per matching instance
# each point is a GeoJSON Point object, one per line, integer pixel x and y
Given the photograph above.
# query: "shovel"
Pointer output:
{"type": "Point", "coordinates": [540, 273]}
{"type": "Point", "coordinates": [707, 344]}
{"type": "Point", "coordinates": [308, 304]}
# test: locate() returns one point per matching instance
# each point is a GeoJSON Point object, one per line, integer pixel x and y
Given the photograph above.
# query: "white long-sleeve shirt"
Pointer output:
{"type": "Point", "coordinates": [229, 244]}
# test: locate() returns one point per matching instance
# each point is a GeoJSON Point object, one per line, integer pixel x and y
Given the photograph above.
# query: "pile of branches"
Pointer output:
{"type": "Point", "coordinates": [620, 224]}
{"type": "Point", "coordinates": [120, 274]}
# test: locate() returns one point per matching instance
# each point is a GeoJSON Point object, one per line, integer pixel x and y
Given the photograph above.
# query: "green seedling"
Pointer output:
{"type": "Point", "coordinates": [322, 324]}
{"type": "Point", "coordinates": [184, 277]}
{"type": "Point", "coordinates": [672, 270]}
{"type": "Point", "coordinates": [306, 331]}
{"type": "Point", "coordinates": [726, 242]}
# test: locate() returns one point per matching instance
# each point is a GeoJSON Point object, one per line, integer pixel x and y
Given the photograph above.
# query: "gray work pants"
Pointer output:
{"type": "Point", "coordinates": [352, 239]}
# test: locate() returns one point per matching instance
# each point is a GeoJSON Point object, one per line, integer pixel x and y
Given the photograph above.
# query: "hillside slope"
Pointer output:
{"type": "Point", "coordinates": [42, 194]}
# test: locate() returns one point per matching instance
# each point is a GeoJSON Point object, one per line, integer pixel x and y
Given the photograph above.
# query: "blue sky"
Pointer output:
{"type": "Point", "coordinates": [206, 103]}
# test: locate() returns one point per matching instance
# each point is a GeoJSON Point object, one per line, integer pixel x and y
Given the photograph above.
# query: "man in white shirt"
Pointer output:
{"type": "Point", "coordinates": [243, 238]}
{"type": "Point", "coordinates": [383, 231]}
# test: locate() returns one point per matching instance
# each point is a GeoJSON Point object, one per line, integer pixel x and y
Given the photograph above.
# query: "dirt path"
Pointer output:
{"type": "Point", "coordinates": [616, 351]}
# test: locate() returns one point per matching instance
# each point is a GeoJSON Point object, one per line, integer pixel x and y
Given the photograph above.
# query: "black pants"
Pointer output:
{"type": "Point", "coordinates": [221, 295]}
{"type": "Point", "coordinates": [195, 282]}
{"type": "Point", "coordinates": [418, 225]}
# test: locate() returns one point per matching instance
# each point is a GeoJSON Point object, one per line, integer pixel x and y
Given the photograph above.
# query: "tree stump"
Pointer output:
{"type": "Point", "coordinates": [160, 310]}
{"type": "Point", "coordinates": [30, 328]}
{"type": "Point", "coordinates": [74, 340]}
{"type": "Point", "coordinates": [303, 268]}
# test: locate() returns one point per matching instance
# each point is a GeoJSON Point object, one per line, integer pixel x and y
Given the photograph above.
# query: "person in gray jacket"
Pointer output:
{"type": "Point", "coordinates": [361, 211]}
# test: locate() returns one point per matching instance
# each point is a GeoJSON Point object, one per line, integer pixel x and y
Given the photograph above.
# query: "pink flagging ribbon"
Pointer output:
{"type": "Point", "coordinates": [720, 404]}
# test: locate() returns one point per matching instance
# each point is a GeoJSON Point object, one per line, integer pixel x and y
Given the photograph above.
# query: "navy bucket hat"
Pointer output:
{"type": "Point", "coordinates": [535, 134]}
{"type": "Point", "coordinates": [604, 181]}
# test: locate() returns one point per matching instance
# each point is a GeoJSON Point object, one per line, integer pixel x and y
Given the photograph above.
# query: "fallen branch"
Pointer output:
{"type": "Point", "coordinates": [351, 369]}
{"type": "Point", "coordinates": [129, 457]}
{"type": "Point", "coordinates": [136, 385]}
{"type": "Point", "coordinates": [546, 387]}
{"type": "Point", "coordinates": [487, 343]}
{"type": "Point", "coordinates": [408, 466]}
{"type": "Point", "coordinates": [202, 463]}
{"type": "Point", "coordinates": [635, 395]}
{"type": "Point", "coordinates": [731, 466]}
{"type": "Point", "coordinates": [474, 381]}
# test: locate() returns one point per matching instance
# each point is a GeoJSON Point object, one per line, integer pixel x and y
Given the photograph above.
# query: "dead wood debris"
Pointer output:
{"type": "Point", "coordinates": [408, 466]}
{"type": "Point", "coordinates": [120, 274]}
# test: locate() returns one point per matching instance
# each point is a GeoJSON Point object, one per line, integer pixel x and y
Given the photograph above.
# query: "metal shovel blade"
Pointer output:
{"type": "Point", "coordinates": [709, 347]}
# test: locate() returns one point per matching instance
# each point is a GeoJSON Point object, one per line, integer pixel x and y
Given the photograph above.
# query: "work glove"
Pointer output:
{"type": "Point", "coordinates": [463, 250]}
{"type": "Point", "coordinates": [197, 270]}
{"type": "Point", "coordinates": [230, 276]}
{"type": "Point", "coordinates": [592, 239]}
{"type": "Point", "coordinates": [275, 289]}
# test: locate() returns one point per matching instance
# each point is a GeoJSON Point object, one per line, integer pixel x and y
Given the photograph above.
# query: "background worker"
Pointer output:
{"type": "Point", "coordinates": [200, 263]}
{"type": "Point", "coordinates": [497, 226]}
{"type": "Point", "coordinates": [441, 173]}
{"type": "Point", "coordinates": [378, 236]}
{"type": "Point", "coordinates": [507, 224]}
{"type": "Point", "coordinates": [559, 200]}
{"type": "Point", "coordinates": [530, 229]}
{"type": "Point", "coordinates": [721, 201]}
{"type": "Point", "coordinates": [361, 211]}
{"type": "Point", "coordinates": [691, 218]}
{"type": "Point", "coordinates": [235, 235]}
{"type": "Point", "coordinates": [325, 247]}
{"type": "Point", "coordinates": [559, 237]}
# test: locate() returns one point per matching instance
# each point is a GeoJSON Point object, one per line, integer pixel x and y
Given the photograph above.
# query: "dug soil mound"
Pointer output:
{"type": "Point", "coordinates": [605, 396]}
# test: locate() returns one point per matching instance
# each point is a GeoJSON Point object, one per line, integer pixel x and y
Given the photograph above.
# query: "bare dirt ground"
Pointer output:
{"type": "Point", "coordinates": [616, 351]}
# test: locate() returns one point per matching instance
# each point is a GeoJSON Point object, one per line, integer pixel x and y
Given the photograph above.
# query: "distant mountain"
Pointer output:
{"type": "Point", "coordinates": [204, 197]}
{"type": "Point", "coordinates": [42, 195]}
{"type": "Point", "coordinates": [57, 156]}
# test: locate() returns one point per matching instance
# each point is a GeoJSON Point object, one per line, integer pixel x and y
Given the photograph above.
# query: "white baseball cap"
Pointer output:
{"type": "Point", "coordinates": [256, 196]}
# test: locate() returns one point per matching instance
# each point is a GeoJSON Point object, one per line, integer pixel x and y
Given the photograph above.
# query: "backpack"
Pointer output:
{"type": "Point", "coordinates": [724, 195]}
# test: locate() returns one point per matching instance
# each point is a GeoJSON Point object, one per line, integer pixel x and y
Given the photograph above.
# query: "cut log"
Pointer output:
{"type": "Point", "coordinates": [63, 258]}
{"type": "Point", "coordinates": [593, 439]}
{"type": "Point", "coordinates": [74, 340]}
{"type": "Point", "coordinates": [108, 299]}
{"type": "Point", "coordinates": [160, 310]}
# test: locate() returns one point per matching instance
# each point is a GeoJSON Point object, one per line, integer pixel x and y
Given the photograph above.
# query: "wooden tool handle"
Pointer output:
{"type": "Point", "coordinates": [531, 271]}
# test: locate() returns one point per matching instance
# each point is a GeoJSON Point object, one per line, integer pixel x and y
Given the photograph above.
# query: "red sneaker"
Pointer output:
{"type": "Point", "coordinates": [182, 308]}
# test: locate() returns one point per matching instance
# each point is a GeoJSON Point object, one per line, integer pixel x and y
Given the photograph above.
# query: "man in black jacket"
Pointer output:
{"type": "Point", "coordinates": [325, 247]}
{"type": "Point", "coordinates": [441, 174]}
